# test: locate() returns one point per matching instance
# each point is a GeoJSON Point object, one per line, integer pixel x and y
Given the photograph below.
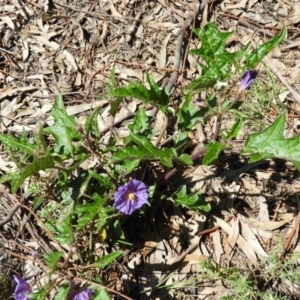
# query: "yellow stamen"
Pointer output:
{"type": "Point", "coordinates": [130, 195]}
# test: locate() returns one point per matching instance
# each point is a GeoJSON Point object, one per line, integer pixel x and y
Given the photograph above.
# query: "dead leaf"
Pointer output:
{"type": "Point", "coordinates": [250, 237]}
{"type": "Point", "coordinates": [232, 238]}
{"type": "Point", "coordinates": [263, 214]}
{"type": "Point", "coordinates": [218, 249]}
{"type": "Point", "coordinates": [163, 52]}
{"type": "Point", "coordinates": [211, 291]}
{"type": "Point", "coordinates": [194, 258]}
{"type": "Point", "coordinates": [25, 51]}
{"type": "Point", "coordinates": [249, 186]}
{"type": "Point", "coordinates": [10, 91]}
{"type": "Point", "coordinates": [267, 225]}
{"type": "Point", "coordinates": [242, 243]}
{"type": "Point", "coordinates": [115, 13]}
{"type": "Point", "coordinates": [282, 96]}
{"type": "Point", "coordinates": [69, 57]}
{"type": "Point", "coordinates": [7, 20]}
{"type": "Point", "coordinates": [295, 18]}
{"type": "Point", "coordinates": [149, 247]}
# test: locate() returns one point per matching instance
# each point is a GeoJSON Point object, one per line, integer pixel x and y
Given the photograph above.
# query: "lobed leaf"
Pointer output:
{"type": "Point", "coordinates": [52, 258]}
{"type": "Point", "coordinates": [104, 261]}
{"type": "Point", "coordinates": [155, 96]}
{"type": "Point", "coordinates": [21, 143]}
{"type": "Point", "coordinates": [262, 50]}
{"type": "Point", "coordinates": [91, 124]}
{"type": "Point", "coordinates": [218, 60]}
{"type": "Point", "coordinates": [271, 143]}
{"type": "Point", "coordinates": [64, 128]}
{"type": "Point", "coordinates": [212, 153]}
{"type": "Point", "coordinates": [87, 212]}
{"type": "Point", "coordinates": [192, 201]}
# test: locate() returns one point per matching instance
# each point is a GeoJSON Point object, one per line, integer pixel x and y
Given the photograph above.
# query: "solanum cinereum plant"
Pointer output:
{"type": "Point", "coordinates": [98, 198]}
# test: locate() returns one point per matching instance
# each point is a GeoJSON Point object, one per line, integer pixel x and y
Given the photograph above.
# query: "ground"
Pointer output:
{"type": "Point", "coordinates": [69, 48]}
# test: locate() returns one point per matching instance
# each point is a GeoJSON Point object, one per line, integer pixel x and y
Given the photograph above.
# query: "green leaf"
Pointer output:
{"type": "Point", "coordinates": [87, 212]}
{"type": "Point", "coordinates": [104, 261]}
{"type": "Point", "coordinates": [202, 84]}
{"type": "Point", "coordinates": [39, 163]}
{"type": "Point", "coordinates": [233, 132]}
{"type": "Point", "coordinates": [262, 50]}
{"type": "Point", "coordinates": [64, 128]}
{"type": "Point", "coordinates": [21, 143]}
{"type": "Point", "coordinates": [145, 151]}
{"type": "Point", "coordinates": [91, 124]}
{"type": "Point", "coordinates": [162, 154]}
{"type": "Point", "coordinates": [114, 231]}
{"type": "Point", "coordinates": [111, 81]}
{"type": "Point", "coordinates": [41, 294]}
{"type": "Point", "coordinates": [212, 153]}
{"type": "Point", "coordinates": [130, 153]}
{"type": "Point", "coordinates": [114, 105]}
{"type": "Point", "coordinates": [158, 96]}
{"type": "Point", "coordinates": [181, 139]}
{"type": "Point", "coordinates": [271, 143]}
{"type": "Point", "coordinates": [78, 185]}
{"type": "Point", "coordinates": [141, 124]}
{"type": "Point", "coordinates": [100, 294]}
{"type": "Point", "coordinates": [192, 201]}
{"type": "Point", "coordinates": [127, 166]}
{"type": "Point", "coordinates": [155, 96]}
{"type": "Point", "coordinates": [185, 158]}
{"type": "Point", "coordinates": [52, 258]}
{"type": "Point", "coordinates": [65, 234]}
{"type": "Point", "coordinates": [102, 180]}
{"type": "Point", "coordinates": [62, 292]}
{"type": "Point", "coordinates": [40, 141]}
{"type": "Point", "coordinates": [189, 114]}
{"type": "Point", "coordinates": [218, 60]}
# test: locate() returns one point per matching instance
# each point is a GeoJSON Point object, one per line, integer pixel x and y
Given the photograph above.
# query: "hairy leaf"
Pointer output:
{"type": "Point", "coordinates": [42, 160]}
{"type": "Point", "coordinates": [213, 150]}
{"type": "Point", "coordinates": [262, 50]}
{"type": "Point", "coordinates": [155, 96]}
{"type": "Point", "coordinates": [192, 201]}
{"type": "Point", "coordinates": [271, 143]}
{"type": "Point", "coordinates": [63, 129]}
{"type": "Point", "coordinates": [218, 60]}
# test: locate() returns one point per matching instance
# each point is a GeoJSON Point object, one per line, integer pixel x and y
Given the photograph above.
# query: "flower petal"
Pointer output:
{"type": "Point", "coordinates": [80, 294]}
{"type": "Point", "coordinates": [126, 204]}
{"type": "Point", "coordinates": [22, 288]}
{"type": "Point", "coordinates": [247, 79]}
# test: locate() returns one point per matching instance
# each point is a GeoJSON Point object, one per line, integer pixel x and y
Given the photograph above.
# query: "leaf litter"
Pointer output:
{"type": "Point", "coordinates": [70, 48]}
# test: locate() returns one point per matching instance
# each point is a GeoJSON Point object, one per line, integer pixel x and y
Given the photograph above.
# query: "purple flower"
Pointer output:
{"type": "Point", "coordinates": [80, 294]}
{"type": "Point", "coordinates": [22, 288]}
{"type": "Point", "coordinates": [247, 79]}
{"type": "Point", "coordinates": [131, 196]}
{"type": "Point", "coordinates": [199, 102]}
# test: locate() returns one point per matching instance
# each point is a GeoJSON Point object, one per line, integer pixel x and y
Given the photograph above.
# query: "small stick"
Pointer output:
{"type": "Point", "coordinates": [295, 229]}
{"type": "Point", "coordinates": [134, 27]}
{"type": "Point", "coordinates": [178, 52]}
{"type": "Point", "coordinates": [147, 66]}
{"type": "Point", "coordinates": [11, 213]}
